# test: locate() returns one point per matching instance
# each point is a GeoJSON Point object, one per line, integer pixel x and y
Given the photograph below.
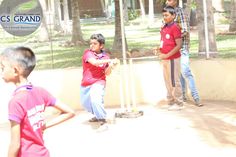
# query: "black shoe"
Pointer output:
{"type": "Point", "coordinates": [94, 119]}
{"type": "Point", "coordinates": [102, 121]}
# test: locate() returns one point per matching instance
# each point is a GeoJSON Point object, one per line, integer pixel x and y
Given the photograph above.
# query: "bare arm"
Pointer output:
{"type": "Point", "coordinates": [173, 51]}
{"type": "Point", "coordinates": [112, 64]}
{"type": "Point", "coordinates": [97, 62]}
{"type": "Point", "coordinates": [14, 146]}
{"type": "Point", "coordinates": [66, 113]}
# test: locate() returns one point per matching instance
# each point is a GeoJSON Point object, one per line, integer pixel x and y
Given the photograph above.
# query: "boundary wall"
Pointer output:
{"type": "Point", "coordinates": [215, 80]}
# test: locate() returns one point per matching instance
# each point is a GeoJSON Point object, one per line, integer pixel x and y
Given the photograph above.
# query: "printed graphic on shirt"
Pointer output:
{"type": "Point", "coordinates": [167, 36]}
{"type": "Point", "coordinates": [35, 117]}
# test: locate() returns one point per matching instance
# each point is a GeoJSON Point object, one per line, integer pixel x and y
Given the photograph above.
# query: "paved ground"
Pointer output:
{"type": "Point", "coordinates": [209, 131]}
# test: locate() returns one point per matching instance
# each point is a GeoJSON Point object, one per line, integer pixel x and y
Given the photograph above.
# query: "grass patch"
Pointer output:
{"type": "Point", "coordinates": [51, 55]}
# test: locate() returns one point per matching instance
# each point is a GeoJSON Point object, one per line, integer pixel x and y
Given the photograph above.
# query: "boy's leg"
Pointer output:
{"type": "Point", "coordinates": [176, 74]}
{"type": "Point", "coordinates": [177, 90]}
{"type": "Point", "coordinates": [85, 98]}
{"type": "Point", "coordinates": [167, 79]}
{"type": "Point", "coordinates": [97, 101]}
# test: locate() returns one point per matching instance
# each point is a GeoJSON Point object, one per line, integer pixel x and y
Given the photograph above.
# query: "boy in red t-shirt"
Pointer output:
{"type": "Point", "coordinates": [96, 66]}
{"type": "Point", "coordinates": [27, 105]}
{"type": "Point", "coordinates": [170, 54]}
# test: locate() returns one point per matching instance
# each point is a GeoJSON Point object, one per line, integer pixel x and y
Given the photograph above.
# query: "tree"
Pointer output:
{"type": "Point", "coordinates": [150, 13]}
{"type": "Point", "coordinates": [232, 26]}
{"type": "Point", "coordinates": [219, 5]}
{"type": "Point", "coordinates": [66, 28]}
{"type": "Point", "coordinates": [57, 19]}
{"type": "Point", "coordinates": [43, 31]}
{"type": "Point", "coordinates": [117, 43]}
{"type": "Point", "coordinates": [187, 8]}
{"type": "Point", "coordinates": [77, 37]}
{"type": "Point", "coordinates": [125, 11]}
{"type": "Point", "coordinates": [141, 3]}
{"type": "Point", "coordinates": [210, 25]}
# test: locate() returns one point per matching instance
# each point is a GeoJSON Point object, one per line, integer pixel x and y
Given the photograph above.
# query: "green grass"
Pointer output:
{"type": "Point", "coordinates": [51, 55]}
{"type": "Point", "coordinates": [225, 44]}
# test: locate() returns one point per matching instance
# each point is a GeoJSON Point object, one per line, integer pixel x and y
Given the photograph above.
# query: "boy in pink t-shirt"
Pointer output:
{"type": "Point", "coordinates": [27, 105]}
{"type": "Point", "coordinates": [96, 66]}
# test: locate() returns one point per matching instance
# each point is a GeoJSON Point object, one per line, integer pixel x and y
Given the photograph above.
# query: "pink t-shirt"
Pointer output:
{"type": "Point", "coordinates": [169, 33]}
{"type": "Point", "coordinates": [93, 74]}
{"type": "Point", "coordinates": [26, 108]}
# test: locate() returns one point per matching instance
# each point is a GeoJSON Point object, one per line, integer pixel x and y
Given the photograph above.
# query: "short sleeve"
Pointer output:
{"type": "Point", "coordinates": [176, 32]}
{"type": "Point", "coordinates": [49, 99]}
{"type": "Point", "coordinates": [15, 111]}
{"type": "Point", "coordinates": [87, 55]}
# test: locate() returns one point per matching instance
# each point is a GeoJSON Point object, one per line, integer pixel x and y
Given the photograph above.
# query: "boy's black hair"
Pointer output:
{"type": "Point", "coordinates": [169, 9]}
{"type": "Point", "coordinates": [99, 37]}
{"type": "Point", "coordinates": [22, 56]}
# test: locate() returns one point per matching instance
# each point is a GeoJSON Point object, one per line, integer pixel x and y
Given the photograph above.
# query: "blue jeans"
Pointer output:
{"type": "Point", "coordinates": [92, 99]}
{"type": "Point", "coordinates": [186, 74]}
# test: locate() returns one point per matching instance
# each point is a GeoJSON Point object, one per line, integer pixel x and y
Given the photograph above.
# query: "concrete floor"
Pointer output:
{"type": "Point", "coordinates": [209, 131]}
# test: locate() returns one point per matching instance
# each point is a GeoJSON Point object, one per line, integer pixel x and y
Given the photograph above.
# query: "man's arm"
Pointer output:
{"type": "Point", "coordinates": [183, 21]}
{"type": "Point", "coordinates": [14, 146]}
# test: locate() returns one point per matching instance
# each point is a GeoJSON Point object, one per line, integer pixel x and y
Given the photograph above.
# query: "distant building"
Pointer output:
{"type": "Point", "coordinates": [59, 12]}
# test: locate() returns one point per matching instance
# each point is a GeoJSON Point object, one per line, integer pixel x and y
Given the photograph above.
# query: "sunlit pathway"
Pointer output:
{"type": "Point", "coordinates": [209, 131]}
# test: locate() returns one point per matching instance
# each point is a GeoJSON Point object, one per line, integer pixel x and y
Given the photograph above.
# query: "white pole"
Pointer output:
{"type": "Point", "coordinates": [122, 30]}
{"type": "Point", "coordinates": [206, 29]}
{"type": "Point", "coordinates": [132, 84]}
{"type": "Point", "coordinates": [124, 54]}
{"type": "Point", "coordinates": [122, 103]}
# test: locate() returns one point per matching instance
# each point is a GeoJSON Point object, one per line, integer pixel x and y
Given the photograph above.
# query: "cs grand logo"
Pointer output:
{"type": "Point", "coordinates": [20, 17]}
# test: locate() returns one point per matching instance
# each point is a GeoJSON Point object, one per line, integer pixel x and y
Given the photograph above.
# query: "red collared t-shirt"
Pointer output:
{"type": "Point", "coordinates": [26, 108]}
{"type": "Point", "coordinates": [169, 33]}
{"type": "Point", "coordinates": [91, 73]}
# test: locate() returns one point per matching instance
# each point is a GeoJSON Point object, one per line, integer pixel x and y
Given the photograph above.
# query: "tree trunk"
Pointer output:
{"type": "Point", "coordinates": [218, 5]}
{"type": "Point", "coordinates": [187, 7]}
{"type": "Point", "coordinates": [150, 13]}
{"type": "Point", "coordinates": [211, 28]}
{"type": "Point", "coordinates": [107, 8]}
{"type": "Point", "coordinates": [125, 11]}
{"type": "Point", "coordinates": [158, 6]}
{"type": "Point", "coordinates": [66, 27]}
{"type": "Point", "coordinates": [77, 37]}
{"type": "Point", "coordinates": [141, 3]}
{"type": "Point", "coordinates": [117, 43]}
{"type": "Point", "coordinates": [57, 17]}
{"type": "Point", "coordinates": [232, 26]}
{"type": "Point", "coordinates": [219, 14]}
{"type": "Point", "coordinates": [43, 31]}
{"type": "Point", "coordinates": [180, 3]}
